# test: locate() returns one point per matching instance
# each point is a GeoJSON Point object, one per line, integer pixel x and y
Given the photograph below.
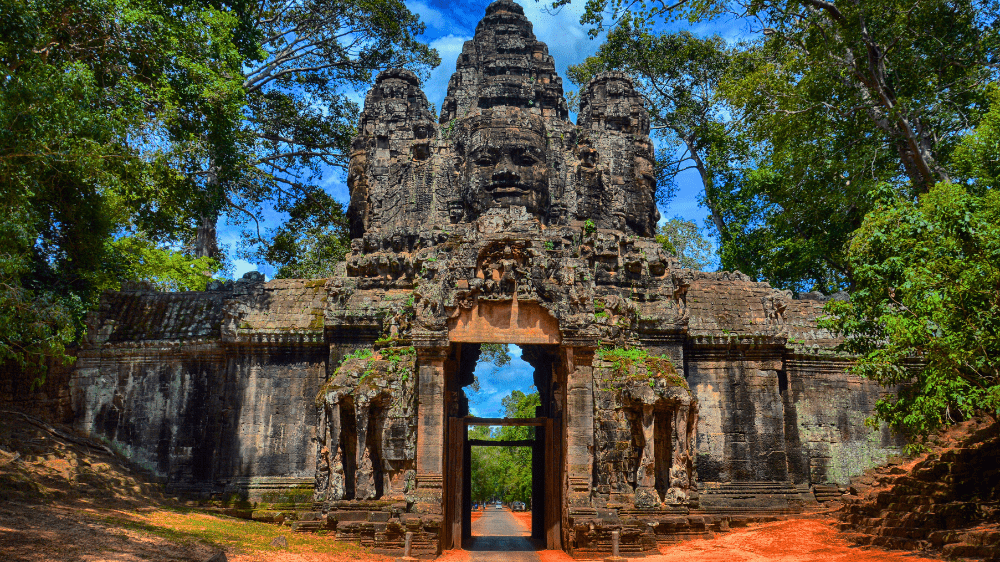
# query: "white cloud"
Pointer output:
{"type": "Point", "coordinates": [568, 41]}
{"type": "Point", "coordinates": [335, 184]}
{"type": "Point", "coordinates": [495, 384]}
{"type": "Point", "coordinates": [242, 266]}
{"type": "Point", "coordinates": [449, 47]}
{"type": "Point", "coordinates": [433, 17]}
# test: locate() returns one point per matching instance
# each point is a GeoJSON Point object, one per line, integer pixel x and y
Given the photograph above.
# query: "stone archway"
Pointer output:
{"type": "Point", "coordinates": [527, 324]}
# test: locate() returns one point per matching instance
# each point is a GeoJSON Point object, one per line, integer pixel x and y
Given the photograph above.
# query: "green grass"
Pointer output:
{"type": "Point", "coordinates": [187, 526]}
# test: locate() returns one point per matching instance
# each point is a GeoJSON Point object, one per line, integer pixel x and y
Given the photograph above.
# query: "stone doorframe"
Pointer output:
{"type": "Point", "coordinates": [569, 432]}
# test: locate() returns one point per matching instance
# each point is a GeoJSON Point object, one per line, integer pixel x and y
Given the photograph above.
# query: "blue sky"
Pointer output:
{"type": "Point", "coordinates": [496, 383]}
{"type": "Point", "coordinates": [449, 25]}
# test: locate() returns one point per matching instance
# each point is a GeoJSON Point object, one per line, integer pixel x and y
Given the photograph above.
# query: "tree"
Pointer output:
{"type": "Point", "coordinates": [923, 312]}
{"type": "Point", "coordinates": [311, 243]}
{"type": "Point", "coordinates": [914, 69]}
{"type": "Point", "coordinates": [922, 316]}
{"type": "Point", "coordinates": [299, 117]}
{"type": "Point", "coordinates": [834, 99]}
{"type": "Point", "coordinates": [683, 239]}
{"type": "Point", "coordinates": [504, 472]}
{"type": "Point", "coordinates": [88, 94]}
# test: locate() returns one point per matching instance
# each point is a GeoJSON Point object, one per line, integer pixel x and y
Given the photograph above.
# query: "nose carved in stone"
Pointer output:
{"type": "Point", "coordinates": [505, 173]}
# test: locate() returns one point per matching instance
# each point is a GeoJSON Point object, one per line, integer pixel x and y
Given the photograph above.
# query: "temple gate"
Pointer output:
{"type": "Point", "coordinates": [674, 402]}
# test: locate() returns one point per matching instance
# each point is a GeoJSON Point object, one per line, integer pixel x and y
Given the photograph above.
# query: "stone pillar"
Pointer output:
{"type": "Point", "coordinates": [646, 473]}
{"type": "Point", "coordinates": [430, 428]}
{"type": "Point", "coordinates": [364, 481]}
{"type": "Point", "coordinates": [682, 477]}
{"type": "Point", "coordinates": [329, 466]}
{"type": "Point", "coordinates": [579, 419]}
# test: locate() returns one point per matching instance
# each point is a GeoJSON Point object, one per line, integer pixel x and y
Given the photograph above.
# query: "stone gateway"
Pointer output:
{"type": "Point", "coordinates": [673, 401]}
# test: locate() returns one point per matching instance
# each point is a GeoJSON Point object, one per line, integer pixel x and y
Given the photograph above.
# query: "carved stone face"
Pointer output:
{"type": "Point", "coordinates": [505, 167]}
{"type": "Point", "coordinates": [640, 206]}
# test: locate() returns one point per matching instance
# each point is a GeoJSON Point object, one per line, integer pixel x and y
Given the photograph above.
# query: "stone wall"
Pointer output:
{"type": "Point", "coordinates": [210, 392]}
{"type": "Point", "coordinates": [202, 417]}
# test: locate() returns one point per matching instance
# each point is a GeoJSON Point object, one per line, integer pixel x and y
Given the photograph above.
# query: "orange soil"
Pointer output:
{"type": "Point", "coordinates": [66, 502]}
{"type": "Point", "coordinates": [524, 518]}
{"type": "Point", "coordinates": [795, 540]}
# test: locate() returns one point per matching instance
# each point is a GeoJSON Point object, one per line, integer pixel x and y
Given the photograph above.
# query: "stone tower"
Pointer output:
{"type": "Point", "coordinates": [672, 401]}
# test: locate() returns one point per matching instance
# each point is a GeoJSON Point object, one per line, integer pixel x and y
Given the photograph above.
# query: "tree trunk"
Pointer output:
{"type": "Point", "coordinates": [706, 180]}
{"type": "Point", "coordinates": [206, 241]}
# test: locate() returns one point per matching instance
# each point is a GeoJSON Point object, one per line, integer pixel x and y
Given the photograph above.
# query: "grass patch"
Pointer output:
{"type": "Point", "coordinates": [187, 526]}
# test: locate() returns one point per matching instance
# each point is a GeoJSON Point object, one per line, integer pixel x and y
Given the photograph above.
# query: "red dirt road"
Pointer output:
{"type": "Point", "coordinates": [796, 540]}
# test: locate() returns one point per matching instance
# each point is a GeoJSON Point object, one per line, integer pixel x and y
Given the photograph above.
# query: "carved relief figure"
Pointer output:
{"type": "Point", "coordinates": [504, 270]}
{"type": "Point", "coordinates": [641, 214]}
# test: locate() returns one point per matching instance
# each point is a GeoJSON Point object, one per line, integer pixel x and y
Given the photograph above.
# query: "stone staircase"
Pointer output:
{"type": "Point", "coordinates": [756, 498]}
{"type": "Point", "coordinates": [948, 502]}
{"type": "Point", "coordinates": [828, 493]}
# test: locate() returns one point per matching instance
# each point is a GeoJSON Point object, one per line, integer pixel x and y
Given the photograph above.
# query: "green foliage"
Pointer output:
{"type": "Point", "coordinates": [589, 227]}
{"type": "Point", "coordinates": [35, 323]}
{"type": "Point", "coordinates": [311, 243]}
{"type": "Point", "coordinates": [167, 270]}
{"type": "Point", "coordinates": [519, 405]}
{"type": "Point", "coordinates": [634, 363]}
{"type": "Point", "coordinates": [683, 239]}
{"type": "Point", "coordinates": [977, 157]}
{"type": "Point", "coordinates": [361, 353]}
{"type": "Point", "coordinates": [505, 472]}
{"type": "Point", "coordinates": [496, 353]}
{"type": "Point", "coordinates": [92, 96]}
{"type": "Point", "coordinates": [307, 56]}
{"type": "Point", "coordinates": [923, 313]}
{"type": "Point", "coordinates": [794, 129]}
{"type": "Point", "coordinates": [127, 128]}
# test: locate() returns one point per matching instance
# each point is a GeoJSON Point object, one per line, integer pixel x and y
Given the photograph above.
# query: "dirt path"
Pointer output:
{"type": "Point", "coordinates": [497, 535]}
{"type": "Point", "coordinates": [796, 540]}
{"type": "Point", "coordinates": [68, 500]}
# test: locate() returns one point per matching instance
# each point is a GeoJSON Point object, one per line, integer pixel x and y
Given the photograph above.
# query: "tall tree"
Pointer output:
{"type": "Point", "coordinates": [922, 316]}
{"type": "Point", "coordinates": [88, 91]}
{"type": "Point", "coordinates": [836, 100]}
{"type": "Point", "coordinates": [300, 119]}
